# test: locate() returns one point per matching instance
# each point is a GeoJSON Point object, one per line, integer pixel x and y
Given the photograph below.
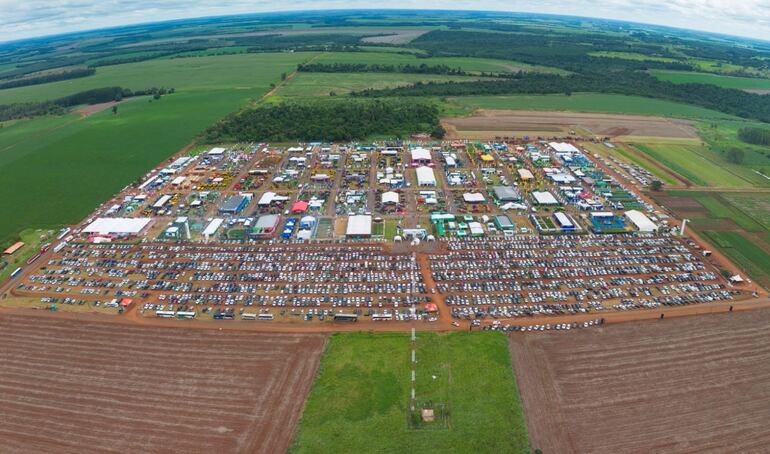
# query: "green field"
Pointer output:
{"type": "Point", "coordinates": [589, 102]}
{"type": "Point", "coordinates": [360, 400]}
{"type": "Point", "coordinates": [308, 85]}
{"type": "Point", "coordinates": [57, 170]}
{"type": "Point", "coordinates": [32, 239]}
{"type": "Point", "coordinates": [748, 210]}
{"type": "Point", "coordinates": [683, 77]}
{"type": "Point", "coordinates": [468, 64]}
{"type": "Point", "coordinates": [743, 252]}
{"type": "Point", "coordinates": [699, 166]}
{"type": "Point", "coordinates": [244, 71]}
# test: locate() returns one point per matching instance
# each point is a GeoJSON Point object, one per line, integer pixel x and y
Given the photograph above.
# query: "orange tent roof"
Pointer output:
{"type": "Point", "coordinates": [14, 248]}
{"type": "Point", "coordinates": [431, 307]}
{"type": "Point", "coordinates": [299, 207]}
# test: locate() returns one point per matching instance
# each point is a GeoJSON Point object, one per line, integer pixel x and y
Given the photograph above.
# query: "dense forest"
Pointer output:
{"type": "Point", "coordinates": [727, 100]}
{"type": "Point", "coordinates": [334, 121]}
{"type": "Point", "coordinates": [756, 136]}
{"type": "Point", "coordinates": [61, 106]}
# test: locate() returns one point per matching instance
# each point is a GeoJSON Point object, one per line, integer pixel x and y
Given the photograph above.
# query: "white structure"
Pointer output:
{"type": "Point", "coordinates": [544, 198]}
{"type": "Point", "coordinates": [425, 176]}
{"type": "Point", "coordinates": [117, 226]}
{"type": "Point", "coordinates": [360, 225]}
{"type": "Point", "coordinates": [213, 226]}
{"type": "Point", "coordinates": [216, 151]}
{"type": "Point", "coordinates": [473, 197]}
{"type": "Point", "coordinates": [270, 197]}
{"type": "Point", "coordinates": [525, 174]}
{"type": "Point", "coordinates": [390, 197]}
{"type": "Point", "coordinates": [421, 156]}
{"type": "Point", "coordinates": [563, 147]}
{"type": "Point", "coordinates": [641, 221]}
{"type": "Point", "coordinates": [178, 180]}
{"type": "Point", "coordinates": [162, 201]}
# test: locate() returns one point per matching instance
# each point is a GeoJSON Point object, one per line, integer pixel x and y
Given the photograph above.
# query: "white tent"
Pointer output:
{"type": "Point", "coordinates": [563, 147]}
{"type": "Point", "coordinates": [117, 226]}
{"type": "Point", "coordinates": [390, 197]}
{"type": "Point", "coordinates": [360, 225]}
{"type": "Point", "coordinates": [473, 197]}
{"type": "Point", "coordinates": [421, 154]}
{"type": "Point", "coordinates": [425, 176]}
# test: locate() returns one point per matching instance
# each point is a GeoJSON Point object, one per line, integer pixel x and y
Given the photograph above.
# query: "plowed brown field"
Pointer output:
{"type": "Point", "coordinates": [690, 385]}
{"type": "Point", "coordinates": [75, 387]}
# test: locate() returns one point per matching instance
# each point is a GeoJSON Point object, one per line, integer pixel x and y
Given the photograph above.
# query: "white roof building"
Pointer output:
{"type": "Point", "coordinates": [117, 226]}
{"type": "Point", "coordinates": [544, 198]}
{"type": "Point", "coordinates": [525, 174]}
{"type": "Point", "coordinates": [641, 221]}
{"type": "Point", "coordinates": [216, 151]}
{"type": "Point", "coordinates": [473, 197]}
{"type": "Point", "coordinates": [425, 176]}
{"type": "Point", "coordinates": [563, 147]}
{"type": "Point", "coordinates": [360, 225]}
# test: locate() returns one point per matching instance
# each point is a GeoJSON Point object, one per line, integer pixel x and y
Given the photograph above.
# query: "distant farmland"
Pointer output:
{"type": "Point", "coordinates": [56, 169]}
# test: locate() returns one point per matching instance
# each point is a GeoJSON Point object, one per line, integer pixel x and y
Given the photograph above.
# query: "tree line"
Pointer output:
{"type": "Point", "coordinates": [61, 105]}
{"type": "Point", "coordinates": [49, 77]}
{"type": "Point", "coordinates": [380, 68]}
{"type": "Point", "coordinates": [756, 136]}
{"type": "Point", "coordinates": [326, 120]}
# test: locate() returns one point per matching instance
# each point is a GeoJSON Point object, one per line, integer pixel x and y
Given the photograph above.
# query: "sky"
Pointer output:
{"type": "Point", "coordinates": [31, 18]}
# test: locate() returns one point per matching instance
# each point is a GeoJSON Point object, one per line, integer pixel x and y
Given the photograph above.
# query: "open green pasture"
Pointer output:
{"type": "Point", "coordinates": [700, 166]}
{"type": "Point", "coordinates": [468, 64]}
{"type": "Point", "coordinates": [360, 400]}
{"type": "Point", "coordinates": [684, 77]}
{"type": "Point", "coordinates": [589, 102]}
{"type": "Point", "coordinates": [242, 71]}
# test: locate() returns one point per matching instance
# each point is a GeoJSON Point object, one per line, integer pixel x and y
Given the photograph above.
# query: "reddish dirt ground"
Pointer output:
{"type": "Point", "coordinates": [96, 108]}
{"type": "Point", "coordinates": [696, 384]}
{"type": "Point", "coordinates": [72, 386]}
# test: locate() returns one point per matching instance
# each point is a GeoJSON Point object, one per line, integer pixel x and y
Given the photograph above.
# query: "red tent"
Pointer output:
{"type": "Point", "coordinates": [431, 307]}
{"type": "Point", "coordinates": [299, 207]}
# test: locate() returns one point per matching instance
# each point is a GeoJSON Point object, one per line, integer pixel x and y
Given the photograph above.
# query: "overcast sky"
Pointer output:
{"type": "Point", "coordinates": [29, 18]}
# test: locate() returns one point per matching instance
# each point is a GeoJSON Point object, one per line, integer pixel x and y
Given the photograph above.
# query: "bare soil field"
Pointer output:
{"type": "Point", "coordinates": [694, 384]}
{"type": "Point", "coordinates": [86, 111]}
{"type": "Point", "coordinates": [496, 122]}
{"type": "Point", "coordinates": [73, 387]}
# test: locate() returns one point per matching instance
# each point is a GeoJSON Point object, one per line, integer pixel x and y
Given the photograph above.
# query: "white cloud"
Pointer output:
{"type": "Point", "coordinates": [28, 18]}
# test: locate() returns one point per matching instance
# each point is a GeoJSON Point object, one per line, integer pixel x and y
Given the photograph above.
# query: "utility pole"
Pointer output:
{"type": "Point", "coordinates": [681, 229]}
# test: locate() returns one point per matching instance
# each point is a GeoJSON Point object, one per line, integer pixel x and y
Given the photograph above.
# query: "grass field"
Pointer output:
{"type": "Point", "coordinates": [631, 56]}
{"type": "Point", "coordinates": [684, 77]}
{"type": "Point", "coordinates": [56, 170]}
{"type": "Point", "coordinates": [360, 401]}
{"type": "Point", "coordinates": [695, 164]}
{"type": "Point", "coordinates": [631, 157]}
{"type": "Point", "coordinates": [589, 102]}
{"type": "Point", "coordinates": [216, 72]}
{"type": "Point", "coordinates": [468, 64]}
{"type": "Point", "coordinates": [307, 85]}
